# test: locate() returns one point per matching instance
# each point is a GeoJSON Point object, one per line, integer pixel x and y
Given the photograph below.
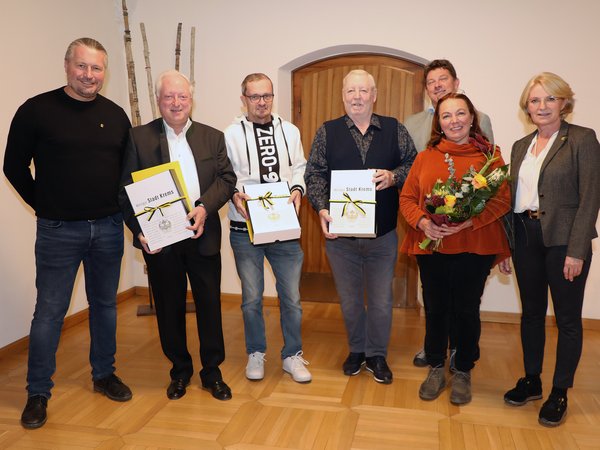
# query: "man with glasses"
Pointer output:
{"type": "Point", "coordinates": [210, 181]}
{"type": "Point", "coordinates": [264, 148]}
{"type": "Point", "coordinates": [440, 79]}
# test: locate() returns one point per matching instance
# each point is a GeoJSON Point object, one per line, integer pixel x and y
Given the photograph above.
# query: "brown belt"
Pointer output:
{"type": "Point", "coordinates": [534, 215]}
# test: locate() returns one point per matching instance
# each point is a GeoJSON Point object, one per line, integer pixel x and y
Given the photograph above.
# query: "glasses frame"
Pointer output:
{"type": "Point", "coordinates": [549, 100]}
{"type": "Point", "coordinates": [255, 98]}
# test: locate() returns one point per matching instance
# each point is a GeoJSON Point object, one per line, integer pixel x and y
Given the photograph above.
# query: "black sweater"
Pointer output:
{"type": "Point", "coordinates": [76, 147]}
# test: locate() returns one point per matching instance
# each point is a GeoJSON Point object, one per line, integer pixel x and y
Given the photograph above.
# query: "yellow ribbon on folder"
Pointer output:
{"type": "Point", "coordinates": [349, 201]}
{"type": "Point", "coordinates": [151, 210]}
{"type": "Point", "coordinates": [265, 200]}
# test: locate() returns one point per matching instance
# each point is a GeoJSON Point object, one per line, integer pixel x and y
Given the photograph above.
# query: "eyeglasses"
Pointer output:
{"type": "Point", "coordinates": [268, 98]}
{"type": "Point", "coordinates": [550, 100]}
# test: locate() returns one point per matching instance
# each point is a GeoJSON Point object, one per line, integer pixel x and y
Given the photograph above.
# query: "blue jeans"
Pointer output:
{"type": "Point", "coordinates": [365, 265]}
{"type": "Point", "coordinates": [286, 261]}
{"type": "Point", "coordinates": [60, 248]}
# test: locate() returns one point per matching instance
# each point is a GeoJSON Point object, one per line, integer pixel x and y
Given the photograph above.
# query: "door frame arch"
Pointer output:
{"type": "Point", "coordinates": [405, 281]}
{"type": "Point", "coordinates": [284, 73]}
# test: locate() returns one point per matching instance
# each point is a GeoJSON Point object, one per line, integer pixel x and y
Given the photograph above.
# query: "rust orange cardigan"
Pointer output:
{"type": "Point", "coordinates": [487, 236]}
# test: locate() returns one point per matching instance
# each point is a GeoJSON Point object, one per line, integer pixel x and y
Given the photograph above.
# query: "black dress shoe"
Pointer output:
{"type": "Point", "coordinates": [34, 414]}
{"type": "Point", "coordinates": [113, 388]}
{"type": "Point", "coordinates": [176, 388]}
{"type": "Point", "coordinates": [218, 389]}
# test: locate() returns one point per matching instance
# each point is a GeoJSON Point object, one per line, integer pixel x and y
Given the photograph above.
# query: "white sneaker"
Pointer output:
{"type": "Point", "coordinates": [255, 369]}
{"type": "Point", "coordinates": [294, 365]}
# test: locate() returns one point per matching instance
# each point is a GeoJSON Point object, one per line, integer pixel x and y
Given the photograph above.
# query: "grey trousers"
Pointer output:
{"type": "Point", "coordinates": [362, 266]}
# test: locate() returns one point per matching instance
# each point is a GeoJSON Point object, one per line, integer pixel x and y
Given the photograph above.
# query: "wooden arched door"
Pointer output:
{"type": "Point", "coordinates": [317, 97]}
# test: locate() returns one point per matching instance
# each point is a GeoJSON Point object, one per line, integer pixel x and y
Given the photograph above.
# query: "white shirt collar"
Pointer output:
{"type": "Point", "coordinates": [171, 131]}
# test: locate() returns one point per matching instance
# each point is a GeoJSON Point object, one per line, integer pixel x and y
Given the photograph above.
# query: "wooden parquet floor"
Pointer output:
{"type": "Point", "coordinates": [332, 412]}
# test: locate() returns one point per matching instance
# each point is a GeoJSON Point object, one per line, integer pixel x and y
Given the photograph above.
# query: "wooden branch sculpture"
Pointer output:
{"type": "Point", "coordinates": [133, 97]}
{"type": "Point", "coordinates": [192, 52]}
{"type": "Point", "coordinates": [178, 46]}
{"type": "Point", "coordinates": [148, 71]}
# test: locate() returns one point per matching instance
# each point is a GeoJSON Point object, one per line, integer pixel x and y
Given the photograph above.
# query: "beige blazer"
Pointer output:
{"type": "Point", "coordinates": [568, 187]}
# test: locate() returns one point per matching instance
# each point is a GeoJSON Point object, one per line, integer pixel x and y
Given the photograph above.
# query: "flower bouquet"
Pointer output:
{"type": "Point", "coordinates": [454, 201]}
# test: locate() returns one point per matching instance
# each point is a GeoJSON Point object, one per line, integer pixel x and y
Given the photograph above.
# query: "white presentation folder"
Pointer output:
{"type": "Point", "coordinates": [161, 209]}
{"type": "Point", "coordinates": [352, 203]}
{"type": "Point", "coordinates": [272, 218]}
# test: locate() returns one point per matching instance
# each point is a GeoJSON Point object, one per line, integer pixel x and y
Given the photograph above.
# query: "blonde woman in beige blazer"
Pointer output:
{"type": "Point", "coordinates": [555, 197]}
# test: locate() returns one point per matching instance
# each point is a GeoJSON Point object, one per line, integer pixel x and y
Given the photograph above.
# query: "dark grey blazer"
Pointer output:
{"type": "Point", "coordinates": [568, 187]}
{"type": "Point", "coordinates": [148, 146]}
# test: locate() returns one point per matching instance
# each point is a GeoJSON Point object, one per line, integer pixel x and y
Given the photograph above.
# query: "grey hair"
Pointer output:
{"type": "Point", "coordinates": [360, 72]}
{"type": "Point", "coordinates": [167, 73]}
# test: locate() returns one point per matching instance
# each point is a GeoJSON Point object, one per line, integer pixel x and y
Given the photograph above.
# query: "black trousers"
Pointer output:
{"type": "Point", "coordinates": [452, 289]}
{"type": "Point", "coordinates": [538, 267]}
{"type": "Point", "coordinates": [168, 271]}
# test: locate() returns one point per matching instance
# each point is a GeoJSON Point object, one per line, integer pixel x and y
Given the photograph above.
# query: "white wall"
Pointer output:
{"type": "Point", "coordinates": [34, 36]}
{"type": "Point", "coordinates": [496, 47]}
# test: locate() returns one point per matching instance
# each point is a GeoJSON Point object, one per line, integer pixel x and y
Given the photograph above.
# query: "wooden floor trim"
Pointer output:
{"type": "Point", "coordinates": [70, 321]}
{"type": "Point", "coordinates": [80, 316]}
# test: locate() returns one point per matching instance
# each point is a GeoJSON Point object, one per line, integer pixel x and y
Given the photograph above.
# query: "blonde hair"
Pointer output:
{"type": "Point", "coordinates": [553, 85]}
{"type": "Point", "coordinates": [89, 43]}
{"type": "Point", "coordinates": [254, 77]}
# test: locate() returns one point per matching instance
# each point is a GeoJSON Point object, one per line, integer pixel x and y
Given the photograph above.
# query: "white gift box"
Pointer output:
{"type": "Point", "coordinates": [272, 218]}
{"type": "Point", "coordinates": [161, 209]}
{"type": "Point", "coordinates": [352, 203]}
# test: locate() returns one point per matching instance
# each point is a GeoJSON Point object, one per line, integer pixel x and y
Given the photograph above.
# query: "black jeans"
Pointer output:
{"type": "Point", "coordinates": [452, 288]}
{"type": "Point", "coordinates": [538, 267]}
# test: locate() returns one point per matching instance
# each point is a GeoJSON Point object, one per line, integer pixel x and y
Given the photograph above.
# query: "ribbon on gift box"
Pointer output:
{"type": "Point", "coordinates": [349, 201]}
{"type": "Point", "coordinates": [152, 209]}
{"type": "Point", "coordinates": [265, 200]}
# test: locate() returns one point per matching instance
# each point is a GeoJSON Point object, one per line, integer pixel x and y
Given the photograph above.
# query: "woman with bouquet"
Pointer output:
{"type": "Point", "coordinates": [453, 200]}
{"type": "Point", "coordinates": [556, 196]}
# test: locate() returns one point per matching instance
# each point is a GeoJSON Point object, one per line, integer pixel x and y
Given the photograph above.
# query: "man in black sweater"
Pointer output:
{"type": "Point", "coordinates": [75, 138]}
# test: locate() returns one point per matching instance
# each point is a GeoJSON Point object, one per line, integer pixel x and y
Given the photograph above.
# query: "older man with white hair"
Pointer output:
{"type": "Point", "coordinates": [362, 140]}
{"type": "Point", "coordinates": [210, 182]}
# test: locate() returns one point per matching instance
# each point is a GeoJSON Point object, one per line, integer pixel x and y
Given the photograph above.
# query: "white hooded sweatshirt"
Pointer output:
{"type": "Point", "coordinates": [244, 157]}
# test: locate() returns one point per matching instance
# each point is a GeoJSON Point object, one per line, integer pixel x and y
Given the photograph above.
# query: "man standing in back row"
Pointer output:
{"type": "Point", "coordinates": [76, 139]}
{"type": "Point", "coordinates": [440, 79]}
{"type": "Point", "coordinates": [362, 140]}
{"type": "Point", "coordinates": [264, 148]}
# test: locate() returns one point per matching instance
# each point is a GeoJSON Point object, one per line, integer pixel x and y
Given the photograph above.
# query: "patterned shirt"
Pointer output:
{"type": "Point", "coordinates": [317, 176]}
